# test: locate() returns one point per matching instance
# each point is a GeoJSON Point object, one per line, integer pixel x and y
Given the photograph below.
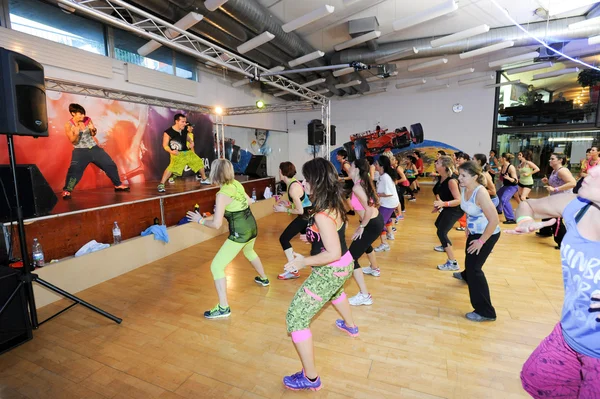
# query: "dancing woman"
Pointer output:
{"type": "Point", "coordinates": [481, 161]}
{"type": "Point", "coordinates": [483, 232]}
{"type": "Point", "coordinates": [570, 355]}
{"type": "Point", "coordinates": [526, 171]}
{"type": "Point", "coordinates": [331, 263]}
{"type": "Point", "coordinates": [342, 158]}
{"type": "Point", "coordinates": [364, 202]}
{"type": "Point", "coordinates": [388, 198]}
{"type": "Point", "coordinates": [494, 165]}
{"type": "Point", "coordinates": [232, 203]}
{"type": "Point", "coordinates": [508, 174]}
{"type": "Point", "coordinates": [299, 205]}
{"type": "Point", "coordinates": [448, 206]}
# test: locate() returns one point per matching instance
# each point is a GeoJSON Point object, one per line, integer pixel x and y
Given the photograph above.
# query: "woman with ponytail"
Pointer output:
{"type": "Point", "coordinates": [481, 160]}
{"type": "Point", "coordinates": [365, 202]}
{"type": "Point", "coordinates": [483, 231]}
{"type": "Point", "coordinates": [388, 198]}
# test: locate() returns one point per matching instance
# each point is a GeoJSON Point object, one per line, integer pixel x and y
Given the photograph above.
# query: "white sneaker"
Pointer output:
{"type": "Point", "coordinates": [171, 181]}
{"type": "Point", "coordinates": [367, 270]}
{"type": "Point", "coordinates": [205, 181]}
{"type": "Point", "coordinates": [390, 236]}
{"type": "Point", "coordinates": [382, 247]}
{"type": "Point", "coordinates": [361, 299]}
{"type": "Point", "coordinates": [449, 266]}
{"type": "Point", "coordinates": [439, 248]}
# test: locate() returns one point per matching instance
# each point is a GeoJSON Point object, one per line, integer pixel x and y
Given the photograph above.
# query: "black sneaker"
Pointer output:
{"type": "Point", "coordinates": [218, 312]}
{"type": "Point", "coordinates": [262, 281]}
{"type": "Point", "coordinates": [509, 221]}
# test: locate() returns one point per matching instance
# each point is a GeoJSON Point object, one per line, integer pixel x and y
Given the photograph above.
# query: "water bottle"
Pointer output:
{"type": "Point", "coordinates": [116, 234]}
{"type": "Point", "coordinates": [38, 254]}
{"type": "Point", "coordinates": [253, 195]}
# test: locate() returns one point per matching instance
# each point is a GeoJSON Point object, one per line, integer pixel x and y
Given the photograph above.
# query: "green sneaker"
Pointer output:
{"type": "Point", "coordinates": [218, 312]}
{"type": "Point", "coordinates": [262, 281]}
{"type": "Point", "coordinates": [161, 188]}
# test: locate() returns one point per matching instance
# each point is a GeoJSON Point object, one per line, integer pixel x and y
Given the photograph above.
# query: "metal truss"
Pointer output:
{"type": "Point", "coordinates": [125, 16]}
{"type": "Point", "coordinates": [94, 91]}
{"type": "Point", "coordinates": [295, 106]}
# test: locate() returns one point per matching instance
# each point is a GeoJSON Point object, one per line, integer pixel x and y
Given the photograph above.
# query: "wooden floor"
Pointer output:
{"type": "Point", "coordinates": [414, 340]}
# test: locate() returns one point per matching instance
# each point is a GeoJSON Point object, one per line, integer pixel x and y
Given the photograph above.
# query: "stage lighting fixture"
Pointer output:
{"type": "Point", "coordinates": [260, 104]}
{"type": "Point", "coordinates": [218, 110]}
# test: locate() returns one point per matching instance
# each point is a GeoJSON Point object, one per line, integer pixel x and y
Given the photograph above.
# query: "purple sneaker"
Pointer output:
{"type": "Point", "coordinates": [341, 324]}
{"type": "Point", "coordinates": [299, 382]}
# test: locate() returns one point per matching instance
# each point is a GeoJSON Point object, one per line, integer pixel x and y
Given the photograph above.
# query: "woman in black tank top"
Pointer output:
{"type": "Point", "coordinates": [508, 173]}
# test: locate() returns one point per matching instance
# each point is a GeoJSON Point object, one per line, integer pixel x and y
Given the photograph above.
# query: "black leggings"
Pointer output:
{"type": "Point", "coordinates": [479, 291]}
{"type": "Point", "coordinates": [363, 245]}
{"type": "Point", "coordinates": [297, 226]}
{"type": "Point", "coordinates": [400, 189]}
{"type": "Point", "coordinates": [444, 223]}
{"type": "Point", "coordinates": [80, 160]}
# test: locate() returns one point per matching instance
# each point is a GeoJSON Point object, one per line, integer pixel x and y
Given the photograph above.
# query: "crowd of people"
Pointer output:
{"type": "Point", "coordinates": [374, 190]}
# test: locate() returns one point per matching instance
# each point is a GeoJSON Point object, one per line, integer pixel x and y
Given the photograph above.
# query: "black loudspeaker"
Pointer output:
{"type": "Point", "coordinates": [316, 132]}
{"type": "Point", "coordinates": [15, 327]}
{"type": "Point", "coordinates": [22, 96]}
{"type": "Point", "coordinates": [257, 167]}
{"type": "Point", "coordinates": [332, 134]}
{"type": "Point", "coordinates": [37, 197]}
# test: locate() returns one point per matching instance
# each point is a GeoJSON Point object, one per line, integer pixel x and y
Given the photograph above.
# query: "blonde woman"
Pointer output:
{"type": "Point", "coordinates": [232, 204]}
{"type": "Point", "coordinates": [526, 171]}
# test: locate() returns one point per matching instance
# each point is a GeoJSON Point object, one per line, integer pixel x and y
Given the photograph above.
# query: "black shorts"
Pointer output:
{"type": "Point", "coordinates": [525, 185]}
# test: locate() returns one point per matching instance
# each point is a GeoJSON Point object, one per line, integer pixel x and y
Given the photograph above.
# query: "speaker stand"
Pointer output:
{"type": "Point", "coordinates": [27, 278]}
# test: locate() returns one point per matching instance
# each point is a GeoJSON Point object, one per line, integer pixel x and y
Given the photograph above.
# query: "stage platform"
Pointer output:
{"type": "Point", "coordinates": [89, 214]}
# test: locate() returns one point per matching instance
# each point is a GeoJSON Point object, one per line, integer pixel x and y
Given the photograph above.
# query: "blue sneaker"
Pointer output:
{"type": "Point", "coordinates": [299, 382]}
{"type": "Point", "coordinates": [218, 312]}
{"type": "Point", "coordinates": [341, 324]}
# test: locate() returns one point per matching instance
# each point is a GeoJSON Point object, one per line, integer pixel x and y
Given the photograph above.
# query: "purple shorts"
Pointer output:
{"type": "Point", "coordinates": [554, 370]}
{"type": "Point", "coordinates": [386, 214]}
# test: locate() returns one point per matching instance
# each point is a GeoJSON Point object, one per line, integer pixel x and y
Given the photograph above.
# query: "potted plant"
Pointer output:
{"type": "Point", "coordinates": [590, 78]}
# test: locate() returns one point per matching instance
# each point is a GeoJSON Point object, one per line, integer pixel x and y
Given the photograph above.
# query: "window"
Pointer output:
{"type": "Point", "coordinates": [51, 22]}
{"type": "Point", "coordinates": [185, 66]}
{"type": "Point", "coordinates": [127, 44]}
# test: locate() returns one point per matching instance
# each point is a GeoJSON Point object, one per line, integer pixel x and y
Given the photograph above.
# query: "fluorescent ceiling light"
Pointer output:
{"type": "Point", "coordinates": [554, 74]}
{"type": "Point", "coordinates": [212, 5]}
{"type": "Point", "coordinates": [184, 23]}
{"type": "Point", "coordinates": [246, 81]}
{"type": "Point", "coordinates": [342, 72]}
{"type": "Point", "coordinates": [555, 7]}
{"type": "Point", "coordinates": [255, 42]}
{"type": "Point", "coordinates": [555, 139]}
{"type": "Point", "coordinates": [455, 73]}
{"type": "Point", "coordinates": [357, 40]}
{"type": "Point", "coordinates": [281, 93]}
{"type": "Point", "coordinates": [478, 79]}
{"type": "Point", "coordinates": [528, 68]}
{"type": "Point", "coordinates": [314, 82]}
{"type": "Point", "coordinates": [371, 92]}
{"type": "Point", "coordinates": [376, 78]}
{"type": "Point", "coordinates": [306, 58]}
{"type": "Point", "coordinates": [416, 19]}
{"type": "Point", "coordinates": [487, 49]}
{"type": "Point", "coordinates": [322, 91]}
{"type": "Point", "coordinates": [594, 40]}
{"type": "Point", "coordinates": [585, 23]}
{"type": "Point", "coordinates": [512, 82]}
{"type": "Point", "coordinates": [411, 83]}
{"type": "Point", "coordinates": [349, 84]}
{"type": "Point", "coordinates": [432, 88]}
{"type": "Point", "coordinates": [397, 55]}
{"type": "Point", "coordinates": [460, 36]}
{"type": "Point", "coordinates": [516, 58]}
{"type": "Point", "coordinates": [428, 64]}
{"type": "Point", "coordinates": [308, 18]}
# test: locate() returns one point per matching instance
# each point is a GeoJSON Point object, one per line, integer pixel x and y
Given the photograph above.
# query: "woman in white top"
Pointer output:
{"type": "Point", "coordinates": [388, 198]}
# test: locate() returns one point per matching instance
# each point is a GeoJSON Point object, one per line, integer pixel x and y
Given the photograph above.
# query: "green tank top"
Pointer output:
{"type": "Point", "coordinates": [242, 225]}
{"type": "Point", "coordinates": [525, 180]}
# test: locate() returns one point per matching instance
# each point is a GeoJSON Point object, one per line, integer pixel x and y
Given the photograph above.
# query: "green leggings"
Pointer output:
{"type": "Point", "coordinates": [229, 250]}
{"type": "Point", "coordinates": [325, 283]}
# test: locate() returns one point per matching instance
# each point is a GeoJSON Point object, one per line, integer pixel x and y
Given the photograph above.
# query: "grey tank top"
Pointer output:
{"type": "Point", "coordinates": [85, 139]}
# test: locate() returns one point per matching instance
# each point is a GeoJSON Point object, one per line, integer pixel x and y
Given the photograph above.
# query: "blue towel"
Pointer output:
{"type": "Point", "coordinates": [159, 231]}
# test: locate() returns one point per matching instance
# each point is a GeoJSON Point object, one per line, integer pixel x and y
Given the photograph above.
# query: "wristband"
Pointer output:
{"type": "Point", "coordinates": [448, 204]}
{"type": "Point", "coordinates": [522, 218]}
{"type": "Point", "coordinates": [288, 211]}
{"type": "Point", "coordinates": [202, 221]}
{"type": "Point", "coordinates": [481, 241]}
{"type": "Point", "coordinates": [556, 189]}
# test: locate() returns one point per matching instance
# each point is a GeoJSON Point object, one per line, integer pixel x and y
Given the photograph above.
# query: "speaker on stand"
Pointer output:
{"type": "Point", "coordinates": [316, 134]}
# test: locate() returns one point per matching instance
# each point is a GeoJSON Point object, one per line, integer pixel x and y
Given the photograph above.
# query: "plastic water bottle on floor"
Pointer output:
{"type": "Point", "coordinates": [253, 195]}
{"type": "Point", "coordinates": [116, 234]}
{"type": "Point", "coordinates": [38, 254]}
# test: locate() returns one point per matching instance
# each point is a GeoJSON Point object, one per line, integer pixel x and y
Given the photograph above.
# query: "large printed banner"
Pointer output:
{"type": "Point", "coordinates": [130, 133]}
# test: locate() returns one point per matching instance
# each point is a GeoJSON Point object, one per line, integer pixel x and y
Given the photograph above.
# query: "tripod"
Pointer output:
{"type": "Point", "coordinates": [27, 278]}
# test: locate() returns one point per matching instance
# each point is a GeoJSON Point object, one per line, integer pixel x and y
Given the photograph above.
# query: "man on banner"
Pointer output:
{"type": "Point", "coordinates": [176, 142]}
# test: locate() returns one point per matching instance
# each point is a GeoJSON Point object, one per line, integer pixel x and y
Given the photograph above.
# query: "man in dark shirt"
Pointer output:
{"type": "Point", "coordinates": [176, 142]}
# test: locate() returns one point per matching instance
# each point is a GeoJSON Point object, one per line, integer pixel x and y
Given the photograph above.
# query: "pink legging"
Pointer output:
{"type": "Point", "coordinates": [554, 370]}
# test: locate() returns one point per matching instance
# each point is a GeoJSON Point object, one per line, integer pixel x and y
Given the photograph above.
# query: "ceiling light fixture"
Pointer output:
{"type": "Point", "coordinates": [433, 88]}
{"type": "Point", "coordinates": [306, 58]}
{"type": "Point", "coordinates": [357, 40]}
{"type": "Point", "coordinates": [460, 72]}
{"type": "Point", "coordinates": [184, 23]}
{"type": "Point", "coordinates": [428, 64]}
{"type": "Point", "coordinates": [349, 84]}
{"type": "Point", "coordinates": [314, 82]}
{"type": "Point", "coordinates": [372, 92]}
{"type": "Point", "coordinates": [555, 74]}
{"type": "Point", "coordinates": [342, 72]}
{"type": "Point", "coordinates": [255, 42]}
{"type": "Point", "coordinates": [397, 55]}
{"type": "Point", "coordinates": [308, 18]}
{"type": "Point", "coordinates": [512, 82]}
{"type": "Point", "coordinates": [460, 36]}
{"type": "Point", "coordinates": [478, 79]}
{"type": "Point", "coordinates": [487, 49]}
{"type": "Point", "coordinates": [435, 12]}
{"type": "Point", "coordinates": [212, 5]}
{"type": "Point", "coordinates": [411, 83]}
{"type": "Point", "coordinates": [528, 68]}
{"type": "Point", "coordinates": [322, 91]}
{"type": "Point", "coordinates": [516, 58]}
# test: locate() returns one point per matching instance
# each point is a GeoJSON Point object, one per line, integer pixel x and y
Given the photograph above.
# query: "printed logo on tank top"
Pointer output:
{"type": "Point", "coordinates": [583, 274]}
